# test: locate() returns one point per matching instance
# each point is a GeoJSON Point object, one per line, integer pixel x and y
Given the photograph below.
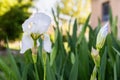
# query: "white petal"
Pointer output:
{"type": "Point", "coordinates": [41, 22]}
{"type": "Point", "coordinates": [104, 30]}
{"type": "Point", "coordinates": [47, 43]}
{"type": "Point", "coordinates": [27, 25]}
{"type": "Point", "coordinates": [27, 43]}
{"type": "Point", "coordinates": [37, 23]}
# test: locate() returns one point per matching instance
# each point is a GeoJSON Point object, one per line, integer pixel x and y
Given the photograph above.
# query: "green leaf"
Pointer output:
{"type": "Point", "coordinates": [2, 76]}
{"type": "Point", "coordinates": [83, 30]}
{"type": "Point", "coordinates": [13, 62]}
{"type": "Point", "coordinates": [53, 54]}
{"type": "Point", "coordinates": [84, 60]}
{"type": "Point", "coordinates": [115, 44]}
{"type": "Point", "coordinates": [115, 71]}
{"type": "Point", "coordinates": [55, 18]}
{"type": "Point", "coordinates": [28, 56]}
{"type": "Point", "coordinates": [49, 73]}
{"type": "Point", "coordinates": [39, 55]}
{"type": "Point", "coordinates": [113, 23]}
{"type": "Point", "coordinates": [54, 49]}
{"type": "Point", "coordinates": [110, 16]}
{"type": "Point", "coordinates": [69, 40]}
{"type": "Point", "coordinates": [116, 51]}
{"type": "Point", "coordinates": [114, 27]}
{"type": "Point", "coordinates": [72, 56]}
{"type": "Point", "coordinates": [118, 66]}
{"type": "Point", "coordinates": [91, 38]}
{"type": "Point", "coordinates": [103, 65]}
{"type": "Point", "coordinates": [74, 35]}
{"type": "Point", "coordinates": [7, 71]}
{"type": "Point", "coordinates": [72, 39]}
{"type": "Point", "coordinates": [25, 71]}
{"type": "Point", "coordinates": [74, 70]}
{"type": "Point", "coordinates": [110, 49]}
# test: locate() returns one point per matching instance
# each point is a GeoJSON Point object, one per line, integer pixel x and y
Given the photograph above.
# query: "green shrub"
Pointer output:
{"type": "Point", "coordinates": [11, 20]}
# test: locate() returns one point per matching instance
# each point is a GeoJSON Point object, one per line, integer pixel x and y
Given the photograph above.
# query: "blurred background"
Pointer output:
{"type": "Point", "coordinates": [14, 12]}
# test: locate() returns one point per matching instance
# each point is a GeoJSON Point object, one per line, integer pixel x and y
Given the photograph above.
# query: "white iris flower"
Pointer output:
{"type": "Point", "coordinates": [33, 28]}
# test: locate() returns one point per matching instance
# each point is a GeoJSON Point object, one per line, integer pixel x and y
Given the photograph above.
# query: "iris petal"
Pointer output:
{"type": "Point", "coordinates": [27, 42]}
{"type": "Point", "coordinates": [37, 23]}
{"type": "Point", "coordinates": [47, 43]}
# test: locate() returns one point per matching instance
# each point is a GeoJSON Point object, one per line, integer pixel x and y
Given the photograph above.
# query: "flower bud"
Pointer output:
{"type": "Point", "coordinates": [102, 36]}
{"type": "Point", "coordinates": [96, 57]}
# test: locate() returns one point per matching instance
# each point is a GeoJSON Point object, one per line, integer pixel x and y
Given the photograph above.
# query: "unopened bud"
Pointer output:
{"type": "Point", "coordinates": [102, 36]}
{"type": "Point", "coordinates": [96, 57]}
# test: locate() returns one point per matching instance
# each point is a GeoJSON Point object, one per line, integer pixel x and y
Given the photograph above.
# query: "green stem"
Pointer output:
{"type": "Point", "coordinates": [98, 64]}
{"type": "Point", "coordinates": [96, 59]}
{"type": "Point", "coordinates": [34, 52]}
{"type": "Point", "coordinates": [35, 43]}
{"type": "Point", "coordinates": [94, 73]}
{"type": "Point", "coordinates": [34, 56]}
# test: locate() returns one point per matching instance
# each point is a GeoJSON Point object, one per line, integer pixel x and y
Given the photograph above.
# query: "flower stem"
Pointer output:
{"type": "Point", "coordinates": [34, 56]}
{"type": "Point", "coordinates": [35, 43]}
{"type": "Point", "coordinates": [34, 52]}
{"type": "Point", "coordinates": [94, 73]}
{"type": "Point", "coordinates": [96, 59]}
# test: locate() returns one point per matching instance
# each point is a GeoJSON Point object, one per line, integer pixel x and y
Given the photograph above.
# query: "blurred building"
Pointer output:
{"type": "Point", "coordinates": [100, 8]}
